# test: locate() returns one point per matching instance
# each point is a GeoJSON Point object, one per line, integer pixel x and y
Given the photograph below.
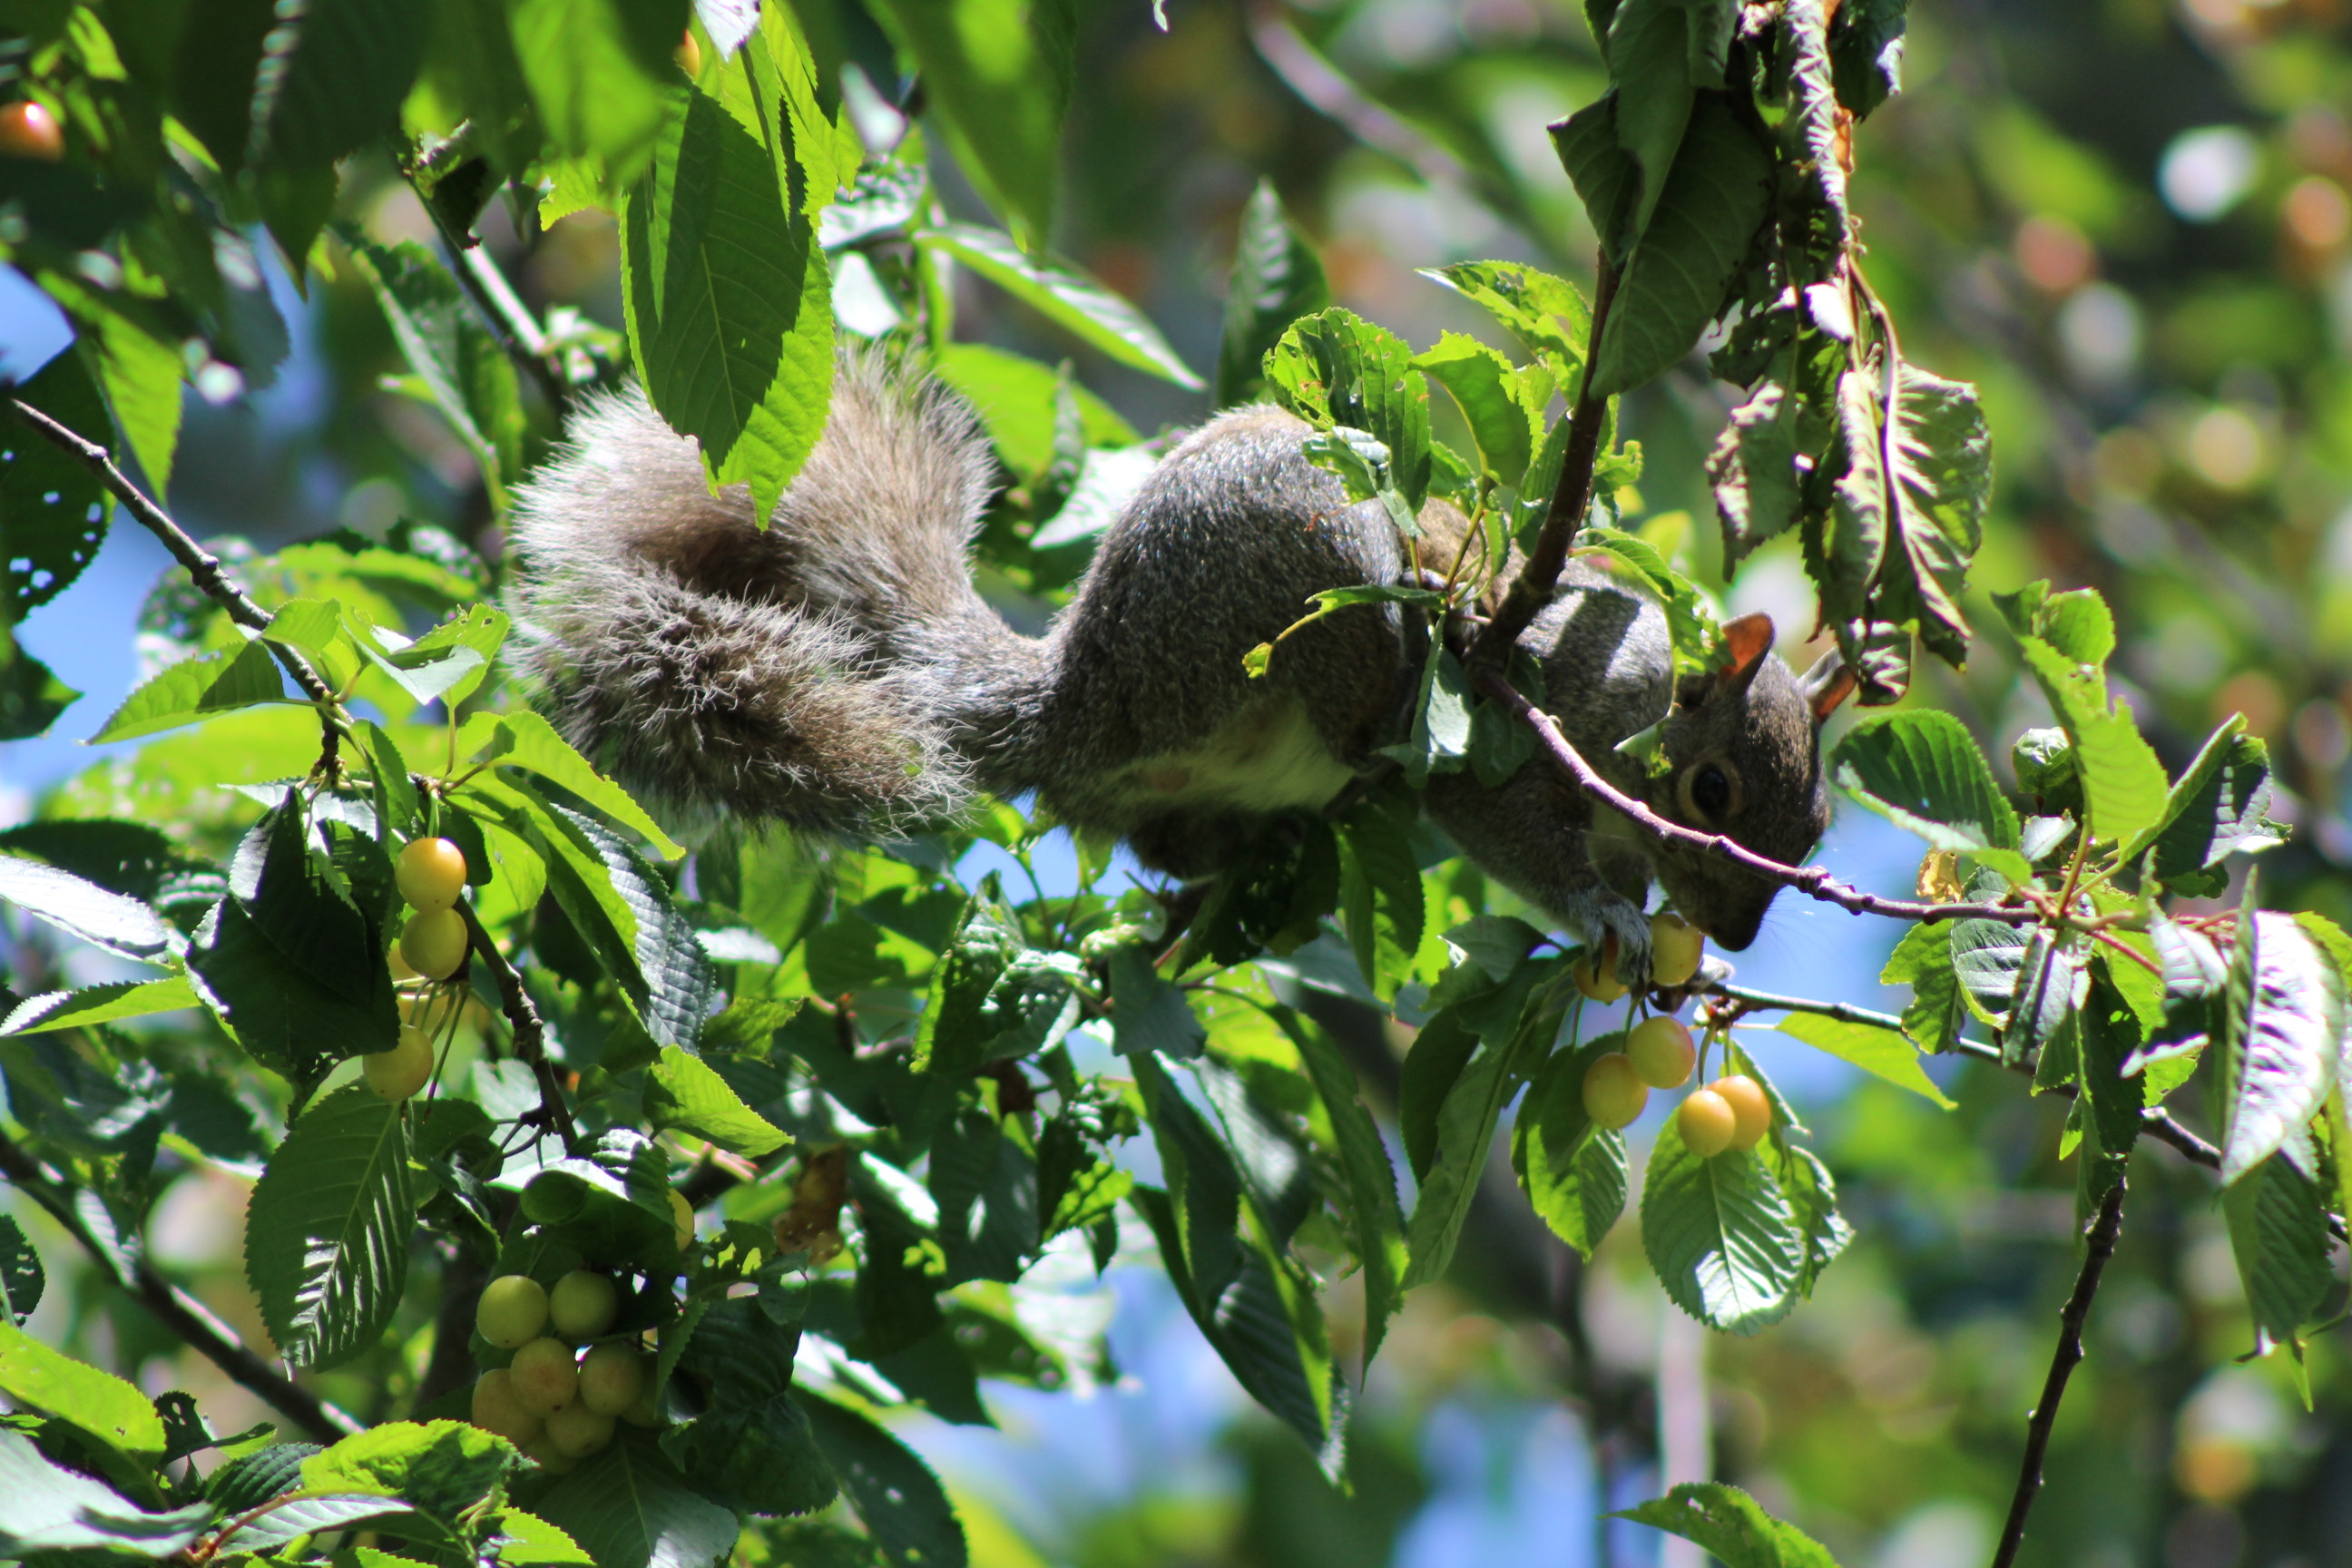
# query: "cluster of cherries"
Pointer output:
{"type": "Point", "coordinates": [1732, 1112]}
{"type": "Point", "coordinates": [430, 875]}
{"type": "Point", "coordinates": [554, 1402]}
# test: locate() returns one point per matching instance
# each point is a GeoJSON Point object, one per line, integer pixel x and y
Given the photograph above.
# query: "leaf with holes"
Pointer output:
{"type": "Point", "coordinates": [53, 511]}
{"type": "Point", "coordinates": [22, 1278]}
{"type": "Point", "coordinates": [327, 1234]}
{"type": "Point", "coordinates": [905, 1509]}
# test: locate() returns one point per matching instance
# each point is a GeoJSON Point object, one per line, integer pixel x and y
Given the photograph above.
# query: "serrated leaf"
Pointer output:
{"type": "Point", "coordinates": [1376, 1223]}
{"type": "Point", "coordinates": [1941, 480]}
{"type": "Point", "coordinates": [1923, 960]}
{"type": "Point", "coordinates": [1546, 314]}
{"type": "Point", "coordinates": [195, 689]}
{"type": "Point", "coordinates": [44, 1507]}
{"type": "Point", "coordinates": [452, 352]}
{"type": "Point", "coordinates": [53, 511]}
{"type": "Point", "coordinates": [1066, 296]}
{"type": "Point", "coordinates": [441, 1470]}
{"type": "Point", "coordinates": [140, 377]}
{"type": "Point", "coordinates": [1731, 1525]}
{"type": "Point", "coordinates": [1465, 1135]}
{"type": "Point", "coordinates": [1503, 407]}
{"type": "Point", "coordinates": [1336, 369]}
{"type": "Point", "coordinates": [1647, 45]}
{"type": "Point", "coordinates": [1277, 278]}
{"type": "Point", "coordinates": [628, 1507]}
{"type": "Point", "coordinates": [1753, 470]}
{"type": "Point", "coordinates": [332, 80]}
{"type": "Point", "coordinates": [1720, 1235]}
{"type": "Point", "coordinates": [684, 1093]}
{"type": "Point", "coordinates": [729, 302]}
{"type": "Point", "coordinates": [35, 1377]}
{"type": "Point", "coordinates": [326, 1232]}
{"type": "Point", "coordinates": [2052, 983]}
{"type": "Point", "coordinates": [2278, 1234]}
{"type": "Point", "coordinates": [297, 1516]}
{"type": "Point", "coordinates": [1920, 768]}
{"type": "Point", "coordinates": [2217, 808]}
{"type": "Point", "coordinates": [2281, 1036]}
{"type": "Point", "coordinates": [1882, 1053]}
{"type": "Point", "coordinates": [286, 1020]}
{"type": "Point", "coordinates": [1382, 903]}
{"type": "Point", "coordinates": [22, 1278]}
{"type": "Point", "coordinates": [905, 1509]}
{"type": "Point", "coordinates": [524, 740]}
{"type": "Point", "coordinates": [1574, 1173]}
{"type": "Point", "coordinates": [83, 910]}
{"type": "Point", "coordinates": [105, 1004]}
{"type": "Point", "coordinates": [1014, 398]}
{"type": "Point", "coordinates": [2122, 781]}
{"type": "Point", "coordinates": [1717, 193]}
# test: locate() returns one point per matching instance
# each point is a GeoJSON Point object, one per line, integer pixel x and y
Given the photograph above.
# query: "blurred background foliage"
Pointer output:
{"type": "Point", "coordinates": [2128, 221]}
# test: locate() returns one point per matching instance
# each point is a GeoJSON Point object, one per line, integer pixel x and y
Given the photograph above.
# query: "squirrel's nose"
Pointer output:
{"type": "Point", "coordinates": [1734, 935]}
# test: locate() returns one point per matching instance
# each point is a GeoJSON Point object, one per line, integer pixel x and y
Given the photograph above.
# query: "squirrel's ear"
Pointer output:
{"type": "Point", "coordinates": [1749, 639]}
{"type": "Point", "coordinates": [1826, 685]}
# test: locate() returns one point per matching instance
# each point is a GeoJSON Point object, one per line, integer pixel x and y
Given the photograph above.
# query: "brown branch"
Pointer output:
{"type": "Point", "coordinates": [1813, 881]}
{"type": "Point", "coordinates": [2103, 1232]}
{"type": "Point", "coordinates": [203, 567]}
{"type": "Point", "coordinates": [523, 1022]}
{"type": "Point", "coordinates": [179, 1311]}
{"type": "Point", "coordinates": [1571, 499]}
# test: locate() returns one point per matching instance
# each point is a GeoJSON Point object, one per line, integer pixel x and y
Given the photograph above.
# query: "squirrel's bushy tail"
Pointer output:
{"type": "Point", "coordinates": [836, 671]}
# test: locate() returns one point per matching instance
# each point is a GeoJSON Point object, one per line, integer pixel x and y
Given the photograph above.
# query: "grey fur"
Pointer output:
{"type": "Point", "coordinates": [839, 672]}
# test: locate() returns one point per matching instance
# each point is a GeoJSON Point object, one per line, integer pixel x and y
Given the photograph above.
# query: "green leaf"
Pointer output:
{"type": "Point", "coordinates": [140, 377]}
{"type": "Point", "coordinates": [53, 511]}
{"type": "Point", "coordinates": [1504, 406]}
{"type": "Point", "coordinates": [1376, 1223]}
{"type": "Point", "coordinates": [1717, 194]}
{"type": "Point", "coordinates": [1382, 900]}
{"type": "Point", "coordinates": [755, 1447]}
{"type": "Point", "coordinates": [2065, 641]}
{"type": "Point", "coordinates": [1014, 398]}
{"type": "Point", "coordinates": [1920, 768]}
{"type": "Point", "coordinates": [1066, 296]}
{"type": "Point", "coordinates": [1757, 486]}
{"type": "Point", "coordinates": [1942, 481]}
{"type": "Point", "coordinates": [730, 324]}
{"type": "Point", "coordinates": [611, 1202]}
{"type": "Point", "coordinates": [1731, 1525]}
{"type": "Point", "coordinates": [905, 1509]}
{"type": "Point", "coordinates": [1720, 1235]}
{"type": "Point", "coordinates": [1923, 960]}
{"type": "Point", "coordinates": [316, 918]}
{"type": "Point", "coordinates": [2217, 808]}
{"type": "Point", "coordinates": [451, 351]}
{"type": "Point", "coordinates": [286, 1020]}
{"type": "Point", "coordinates": [597, 70]}
{"type": "Point", "coordinates": [999, 73]}
{"type": "Point", "coordinates": [958, 1026]}
{"type": "Point", "coordinates": [441, 1470]}
{"type": "Point", "coordinates": [103, 1003]}
{"type": "Point", "coordinates": [328, 1230]}
{"type": "Point", "coordinates": [1277, 278]}
{"type": "Point", "coordinates": [1648, 48]}
{"type": "Point", "coordinates": [524, 740]}
{"type": "Point", "coordinates": [32, 697]}
{"type": "Point", "coordinates": [44, 1507]}
{"type": "Point", "coordinates": [1466, 1134]}
{"type": "Point", "coordinates": [22, 1280]}
{"type": "Point", "coordinates": [332, 80]}
{"type": "Point", "coordinates": [194, 689]}
{"type": "Point", "coordinates": [1149, 1017]}
{"type": "Point", "coordinates": [1882, 1053]}
{"type": "Point", "coordinates": [84, 911]}
{"type": "Point", "coordinates": [684, 1093]}
{"type": "Point", "coordinates": [628, 1507]}
{"type": "Point", "coordinates": [1336, 369]}
{"type": "Point", "coordinates": [1546, 314]}
{"type": "Point", "coordinates": [1574, 1173]}
{"type": "Point", "coordinates": [36, 1377]}
{"type": "Point", "coordinates": [2278, 1233]}
{"type": "Point", "coordinates": [2280, 1038]}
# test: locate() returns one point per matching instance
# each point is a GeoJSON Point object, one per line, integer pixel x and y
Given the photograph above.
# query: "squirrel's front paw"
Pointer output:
{"type": "Point", "coordinates": [1604, 916]}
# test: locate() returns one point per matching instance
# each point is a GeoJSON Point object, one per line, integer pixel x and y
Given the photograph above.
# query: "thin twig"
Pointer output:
{"type": "Point", "coordinates": [203, 567]}
{"type": "Point", "coordinates": [1571, 499]}
{"type": "Point", "coordinates": [523, 1022]}
{"type": "Point", "coordinates": [180, 1312]}
{"type": "Point", "coordinates": [1813, 881]}
{"type": "Point", "coordinates": [517, 331]}
{"type": "Point", "coordinates": [1843, 1011]}
{"type": "Point", "coordinates": [2103, 1232]}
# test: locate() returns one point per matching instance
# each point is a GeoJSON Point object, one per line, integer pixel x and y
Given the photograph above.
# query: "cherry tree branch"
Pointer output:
{"type": "Point", "coordinates": [2104, 1231]}
{"type": "Point", "coordinates": [523, 1022]}
{"type": "Point", "coordinates": [203, 567]}
{"type": "Point", "coordinates": [1813, 881]}
{"type": "Point", "coordinates": [1571, 499]}
{"type": "Point", "coordinates": [179, 1311]}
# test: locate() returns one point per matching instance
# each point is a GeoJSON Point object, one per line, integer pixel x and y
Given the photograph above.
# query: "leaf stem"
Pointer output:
{"type": "Point", "coordinates": [1813, 881]}
{"type": "Point", "coordinates": [518, 333]}
{"type": "Point", "coordinates": [180, 1312]}
{"type": "Point", "coordinates": [529, 1033]}
{"type": "Point", "coordinates": [2104, 1231]}
{"type": "Point", "coordinates": [1572, 498]}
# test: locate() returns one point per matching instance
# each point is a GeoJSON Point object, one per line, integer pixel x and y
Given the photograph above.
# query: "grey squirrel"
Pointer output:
{"type": "Point", "coordinates": [840, 673]}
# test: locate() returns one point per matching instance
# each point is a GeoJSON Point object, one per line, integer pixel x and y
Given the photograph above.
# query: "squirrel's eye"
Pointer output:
{"type": "Point", "coordinates": [1710, 791]}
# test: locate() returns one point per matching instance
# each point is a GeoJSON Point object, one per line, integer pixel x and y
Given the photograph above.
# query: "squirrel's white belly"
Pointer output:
{"type": "Point", "coordinates": [1268, 758]}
